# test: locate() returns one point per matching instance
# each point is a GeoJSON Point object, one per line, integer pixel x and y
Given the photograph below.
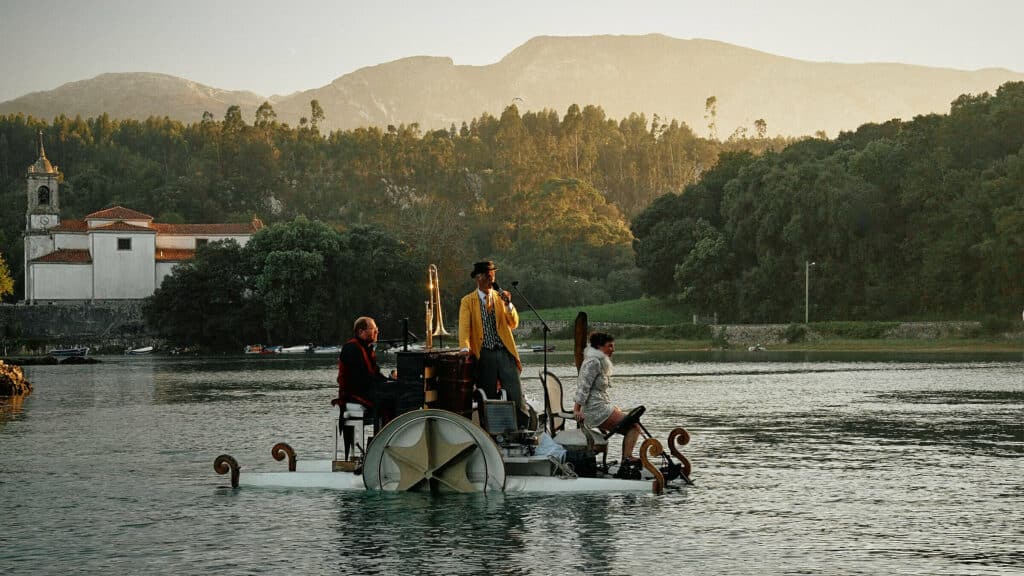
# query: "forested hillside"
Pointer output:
{"type": "Point", "coordinates": [907, 219]}
{"type": "Point", "coordinates": [546, 195]}
{"type": "Point", "coordinates": [918, 219]}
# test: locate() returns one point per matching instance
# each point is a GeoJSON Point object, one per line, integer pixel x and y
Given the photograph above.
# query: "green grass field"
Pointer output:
{"type": "Point", "coordinates": [650, 324]}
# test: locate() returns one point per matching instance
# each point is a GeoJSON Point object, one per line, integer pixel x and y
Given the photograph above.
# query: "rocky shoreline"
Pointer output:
{"type": "Point", "coordinates": [12, 380]}
{"type": "Point", "coordinates": [48, 360]}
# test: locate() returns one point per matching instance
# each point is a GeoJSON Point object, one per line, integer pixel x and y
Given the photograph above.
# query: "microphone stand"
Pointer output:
{"type": "Point", "coordinates": [547, 401]}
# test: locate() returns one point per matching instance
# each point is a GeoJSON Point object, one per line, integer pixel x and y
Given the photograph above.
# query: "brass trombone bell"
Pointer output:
{"type": "Point", "coordinates": [435, 319]}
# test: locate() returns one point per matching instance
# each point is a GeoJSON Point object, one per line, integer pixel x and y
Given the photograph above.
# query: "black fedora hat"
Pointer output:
{"type": "Point", "coordinates": [481, 267]}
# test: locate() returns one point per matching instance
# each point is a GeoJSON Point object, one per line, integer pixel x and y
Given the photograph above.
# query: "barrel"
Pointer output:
{"type": "Point", "coordinates": [454, 384]}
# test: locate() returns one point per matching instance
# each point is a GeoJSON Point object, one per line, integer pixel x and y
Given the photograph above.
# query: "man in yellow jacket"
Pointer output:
{"type": "Point", "coordinates": [486, 320]}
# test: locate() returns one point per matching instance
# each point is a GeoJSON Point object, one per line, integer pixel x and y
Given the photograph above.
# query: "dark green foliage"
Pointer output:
{"type": "Point", "coordinates": [719, 339]}
{"type": "Point", "coordinates": [995, 325]}
{"type": "Point", "coordinates": [377, 277]}
{"type": "Point", "coordinates": [673, 225]}
{"type": "Point", "coordinates": [670, 332]}
{"type": "Point", "coordinates": [566, 332]}
{"type": "Point", "coordinates": [918, 219]}
{"type": "Point", "coordinates": [623, 284]}
{"type": "Point", "coordinates": [293, 283]}
{"type": "Point", "coordinates": [532, 190]}
{"type": "Point", "coordinates": [854, 330]}
{"type": "Point", "coordinates": [794, 333]}
{"type": "Point", "coordinates": [207, 301]}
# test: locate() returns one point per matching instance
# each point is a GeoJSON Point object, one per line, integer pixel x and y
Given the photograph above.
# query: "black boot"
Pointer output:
{"type": "Point", "coordinates": [671, 471]}
{"type": "Point", "coordinates": [629, 470]}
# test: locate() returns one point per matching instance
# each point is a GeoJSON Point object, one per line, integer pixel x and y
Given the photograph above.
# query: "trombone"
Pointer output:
{"type": "Point", "coordinates": [435, 320]}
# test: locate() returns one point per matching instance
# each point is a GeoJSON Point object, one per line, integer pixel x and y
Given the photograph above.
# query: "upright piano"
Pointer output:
{"type": "Point", "coordinates": [439, 378]}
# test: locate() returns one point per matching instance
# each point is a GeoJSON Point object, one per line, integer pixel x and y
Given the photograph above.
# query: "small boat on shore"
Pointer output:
{"type": "Point", "coordinates": [261, 349]}
{"type": "Point", "coordinates": [139, 351]}
{"type": "Point", "coordinates": [395, 348]}
{"type": "Point", "coordinates": [535, 348]}
{"type": "Point", "coordinates": [69, 351]}
{"type": "Point", "coordinates": [304, 349]}
{"type": "Point", "coordinates": [181, 350]}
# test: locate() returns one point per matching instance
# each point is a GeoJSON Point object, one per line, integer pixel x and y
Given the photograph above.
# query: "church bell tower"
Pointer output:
{"type": "Point", "coordinates": [43, 193]}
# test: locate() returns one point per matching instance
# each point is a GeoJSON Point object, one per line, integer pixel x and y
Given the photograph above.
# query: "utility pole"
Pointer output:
{"type": "Point", "coordinates": [807, 290]}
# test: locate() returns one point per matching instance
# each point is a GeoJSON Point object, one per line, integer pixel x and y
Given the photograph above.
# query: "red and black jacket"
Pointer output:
{"type": "Point", "coordinates": [358, 372]}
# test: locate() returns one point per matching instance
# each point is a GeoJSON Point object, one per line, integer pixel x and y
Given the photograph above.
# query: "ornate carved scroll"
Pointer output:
{"type": "Point", "coordinates": [280, 450]}
{"type": "Point", "coordinates": [679, 437]}
{"type": "Point", "coordinates": [652, 448]}
{"type": "Point", "coordinates": [223, 463]}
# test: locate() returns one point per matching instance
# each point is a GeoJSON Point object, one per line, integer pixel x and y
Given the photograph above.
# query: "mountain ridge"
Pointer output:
{"type": "Point", "coordinates": [650, 74]}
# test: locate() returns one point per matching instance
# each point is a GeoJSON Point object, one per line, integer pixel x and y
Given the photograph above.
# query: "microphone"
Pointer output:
{"type": "Point", "coordinates": [500, 293]}
{"type": "Point", "coordinates": [515, 283]}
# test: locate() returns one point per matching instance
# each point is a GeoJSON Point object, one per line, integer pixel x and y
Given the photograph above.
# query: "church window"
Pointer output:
{"type": "Point", "coordinates": [44, 196]}
{"type": "Point", "coordinates": [124, 243]}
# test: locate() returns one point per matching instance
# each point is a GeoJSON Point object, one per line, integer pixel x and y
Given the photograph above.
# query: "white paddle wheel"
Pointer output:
{"type": "Point", "coordinates": [435, 451]}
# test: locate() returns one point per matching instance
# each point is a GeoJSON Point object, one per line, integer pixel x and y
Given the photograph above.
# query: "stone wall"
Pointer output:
{"type": "Point", "coordinates": [115, 324]}
{"type": "Point", "coordinates": [754, 334]}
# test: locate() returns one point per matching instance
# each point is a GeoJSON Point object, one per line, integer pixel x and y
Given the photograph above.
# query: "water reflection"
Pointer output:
{"type": "Point", "coordinates": [466, 533]}
{"type": "Point", "coordinates": [954, 397]}
{"type": "Point", "coordinates": [11, 407]}
{"type": "Point", "coordinates": [813, 467]}
{"type": "Point", "coordinates": [493, 534]}
{"type": "Point", "coordinates": [229, 380]}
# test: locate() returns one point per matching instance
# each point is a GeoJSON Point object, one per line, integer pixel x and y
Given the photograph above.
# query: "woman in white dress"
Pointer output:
{"type": "Point", "coordinates": [592, 403]}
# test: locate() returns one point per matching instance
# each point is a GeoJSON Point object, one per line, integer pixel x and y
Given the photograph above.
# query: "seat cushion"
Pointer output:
{"type": "Point", "coordinates": [576, 439]}
{"type": "Point", "coordinates": [353, 410]}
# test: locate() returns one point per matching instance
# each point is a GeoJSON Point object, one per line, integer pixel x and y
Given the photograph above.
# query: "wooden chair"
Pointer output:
{"type": "Point", "coordinates": [580, 438]}
{"type": "Point", "coordinates": [351, 417]}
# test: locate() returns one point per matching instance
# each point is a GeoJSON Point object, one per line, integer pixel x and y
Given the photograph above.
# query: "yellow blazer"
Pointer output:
{"type": "Point", "coordinates": [471, 325]}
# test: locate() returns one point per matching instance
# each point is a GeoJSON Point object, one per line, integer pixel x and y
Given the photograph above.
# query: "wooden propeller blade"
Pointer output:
{"type": "Point", "coordinates": [580, 335]}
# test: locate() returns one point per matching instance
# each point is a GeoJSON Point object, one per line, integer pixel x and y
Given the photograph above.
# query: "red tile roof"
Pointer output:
{"type": "Point", "coordinates": [118, 213]}
{"type": "Point", "coordinates": [122, 227]}
{"type": "Point", "coordinates": [206, 229]}
{"type": "Point", "coordinates": [66, 256]}
{"type": "Point", "coordinates": [174, 254]}
{"type": "Point", "coordinates": [71, 226]}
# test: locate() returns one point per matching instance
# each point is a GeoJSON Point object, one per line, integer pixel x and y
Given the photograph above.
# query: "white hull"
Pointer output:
{"type": "Point", "coordinates": [317, 474]}
{"type": "Point", "coordinates": [437, 450]}
{"type": "Point", "coordinates": [295, 350]}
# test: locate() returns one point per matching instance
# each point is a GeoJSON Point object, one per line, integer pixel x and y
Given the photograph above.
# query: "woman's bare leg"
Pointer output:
{"type": "Point", "coordinates": [629, 441]}
{"type": "Point", "coordinates": [629, 438]}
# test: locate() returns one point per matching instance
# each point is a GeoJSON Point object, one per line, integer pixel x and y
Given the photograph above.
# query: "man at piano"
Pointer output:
{"type": "Point", "coordinates": [486, 320]}
{"type": "Point", "coordinates": [358, 371]}
{"type": "Point", "coordinates": [360, 380]}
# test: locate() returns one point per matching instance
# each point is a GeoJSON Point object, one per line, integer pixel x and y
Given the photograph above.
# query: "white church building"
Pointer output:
{"type": "Point", "coordinates": [113, 254]}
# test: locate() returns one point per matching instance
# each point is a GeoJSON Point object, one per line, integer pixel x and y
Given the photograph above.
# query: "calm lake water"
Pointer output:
{"type": "Point", "coordinates": [804, 464]}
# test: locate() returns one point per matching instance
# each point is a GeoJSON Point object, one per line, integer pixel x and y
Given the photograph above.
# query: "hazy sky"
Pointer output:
{"type": "Point", "coordinates": [281, 47]}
